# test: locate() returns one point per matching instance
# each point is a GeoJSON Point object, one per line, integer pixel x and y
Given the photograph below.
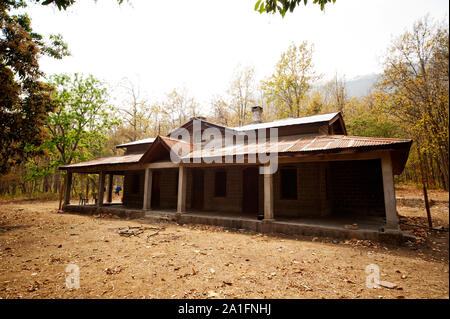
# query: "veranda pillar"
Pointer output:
{"type": "Point", "coordinates": [101, 188]}
{"type": "Point", "coordinates": [148, 189]}
{"type": "Point", "coordinates": [389, 192]}
{"type": "Point", "coordinates": [110, 188]}
{"type": "Point", "coordinates": [182, 182]}
{"type": "Point", "coordinates": [268, 193]}
{"type": "Point", "coordinates": [67, 187]}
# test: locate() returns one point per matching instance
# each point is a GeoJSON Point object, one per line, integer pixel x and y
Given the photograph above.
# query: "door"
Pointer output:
{"type": "Point", "coordinates": [250, 191]}
{"type": "Point", "coordinates": [156, 190]}
{"type": "Point", "coordinates": [197, 188]}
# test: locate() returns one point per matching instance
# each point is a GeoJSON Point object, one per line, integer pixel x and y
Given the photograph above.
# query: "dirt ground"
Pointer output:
{"type": "Point", "coordinates": [174, 261]}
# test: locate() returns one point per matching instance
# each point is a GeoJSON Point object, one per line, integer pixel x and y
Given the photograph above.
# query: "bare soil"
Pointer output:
{"type": "Point", "coordinates": [188, 261]}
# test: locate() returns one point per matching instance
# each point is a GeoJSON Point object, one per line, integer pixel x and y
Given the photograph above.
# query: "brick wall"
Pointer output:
{"type": "Point", "coordinates": [168, 186]}
{"type": "Point", "coordinates": [233, 200]}
{"type": "Point", "coordinates": [130, 199]}
{"type": "Point", "coordinates": [310, 200]}
{"type": "Point", "coordinates": [323, 188]}
{"type": "Point", "coordinates": [357, 188]}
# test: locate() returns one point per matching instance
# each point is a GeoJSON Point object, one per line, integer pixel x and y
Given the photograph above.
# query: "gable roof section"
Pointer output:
{"type": "Point", "coordinates": [161, 148]}
{"type": "Point", "coordinates": [189, 124]}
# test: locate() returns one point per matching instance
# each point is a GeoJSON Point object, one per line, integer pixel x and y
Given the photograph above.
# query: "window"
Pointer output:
{"type": "Point", "coordinates": [288, 181]}
{"type": "Point", "coordinates": [135, 181]}
{"type": "Point", "coordinates": [220, 185]}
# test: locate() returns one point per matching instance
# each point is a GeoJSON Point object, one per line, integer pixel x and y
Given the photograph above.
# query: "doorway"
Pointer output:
{"type": "Point", "coordinates": [198, 182]}
{"type": "Point", "coordinates": [250, 190]}
{"type": "Point", "coordinates": [156, 190]}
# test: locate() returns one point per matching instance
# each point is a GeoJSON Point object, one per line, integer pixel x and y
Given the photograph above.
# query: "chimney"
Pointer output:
{"type": "Point", "coordinates": [257, 114]}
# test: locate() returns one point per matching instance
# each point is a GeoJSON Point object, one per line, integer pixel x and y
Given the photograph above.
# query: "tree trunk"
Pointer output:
{"type": "Point", "coordinates": [425, 193]}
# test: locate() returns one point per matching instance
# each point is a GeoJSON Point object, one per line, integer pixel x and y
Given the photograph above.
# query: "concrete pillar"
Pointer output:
{"type": "Point", "coordinates": [110, 188]}
{"type": "Point", "coordinates": [182, 183]}
{"type": "Point", "coordinates": [268, 193]}
{"type": "Point", "coordinates": [101, 188]}
{"type": "Point", "coordinates": [147, 189]}
{"type": "Point", "coordinates": [389, 192]}
{"type": "Point", "coordinates": [67, 187]}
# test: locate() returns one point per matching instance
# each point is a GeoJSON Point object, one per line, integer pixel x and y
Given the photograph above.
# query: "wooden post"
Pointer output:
{"type": "Point", "coordinates": [61, 194]}
{"type": "Point", "coordinates": [110, 188]}
{"type": "Point", "coordinates": [87, 188]}
{"type": "Point", "coordinates": [424, 186]}
{"type": "Point", "coordinates": [101, 188]}
{"type": "Point", "coordinates": [148, 189]}
{"type": "Point", "coordinates": [182, 183]}
{"type": "Point", "coordinates": [67, 187]}
{"type": "Point", "coordinates": [268, 193]}
{"type": "Point", "coordinates": [389, 192]}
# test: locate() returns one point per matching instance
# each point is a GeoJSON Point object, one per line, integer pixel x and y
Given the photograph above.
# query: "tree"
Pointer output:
{"type": "Point", "coordinates": [241, 92]}
{"type": "Point", "coordinates": [283, 6]}
{"type": "Point", "coordinates": [416, 83]}
{"type": "Point", "coordinates": [24, 99]}
{"type": "Point", "coordinates": [179, 107]}
{"type": "Point", "coordinates": [77, 127]}
{"type": "Point", "coordinates": [291, 81]}
{"type": "Point", "coordinates": [220, 111]}
{"type": "Point", "coordinates": [137, 112]}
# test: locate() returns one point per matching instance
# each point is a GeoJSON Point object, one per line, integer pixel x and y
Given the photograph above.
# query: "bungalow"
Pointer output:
{"type": "Point", "coordinates": [297, 176]}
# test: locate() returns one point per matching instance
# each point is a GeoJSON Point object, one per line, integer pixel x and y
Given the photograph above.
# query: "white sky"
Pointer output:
{"type": "Point", "coordinates": [197, 44]}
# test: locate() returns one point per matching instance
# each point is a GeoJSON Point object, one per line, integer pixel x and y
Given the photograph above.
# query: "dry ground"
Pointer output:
{"type": "Point", "coordinates": [37, 244]}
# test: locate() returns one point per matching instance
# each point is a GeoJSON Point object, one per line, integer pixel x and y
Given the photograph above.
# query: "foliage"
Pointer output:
{"type": "Point", "coordinates": [241, 92]}
{"type": "Point", "coordinates": [24, 99]}
{"type": "Point", "coordinates": [283, 6]}
{"type": "Point", "coordinates": [294, 75]}
{"type": "Point", "coordinates": [415, 84]}
{"type": "Point", "coordinates": [77, 127]}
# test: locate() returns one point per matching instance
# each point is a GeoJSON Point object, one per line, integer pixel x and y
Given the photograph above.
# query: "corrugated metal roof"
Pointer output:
{"type": "Point", "coordinates": [144, 141]}
{"type": "Point", "coordinates": [289, 121]}
{"type": "Point", "coordinates": [123, 159]}
{"type": "Point", "coordinates": [298, 144]}
{"type": "Point", "coordinates": [286, 144]}
{"type": "Point", "coordinates": [285, 122]}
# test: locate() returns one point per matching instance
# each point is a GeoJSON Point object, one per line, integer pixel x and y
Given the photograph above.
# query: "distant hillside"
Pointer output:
{"type": "Point", "coordinates": [360, 85]}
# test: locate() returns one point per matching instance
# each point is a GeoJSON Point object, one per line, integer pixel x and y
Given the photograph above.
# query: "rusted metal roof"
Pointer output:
{"type": "Point", "coordinates": [298, 144]}
{"type": "Point", "coordinates": [306, 144]}
{"type": "Point", "coordinates": [112, 160]}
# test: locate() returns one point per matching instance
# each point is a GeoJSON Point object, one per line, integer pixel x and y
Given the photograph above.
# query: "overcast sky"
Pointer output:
{"type": "Point", "coordinates": [197, 44]}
